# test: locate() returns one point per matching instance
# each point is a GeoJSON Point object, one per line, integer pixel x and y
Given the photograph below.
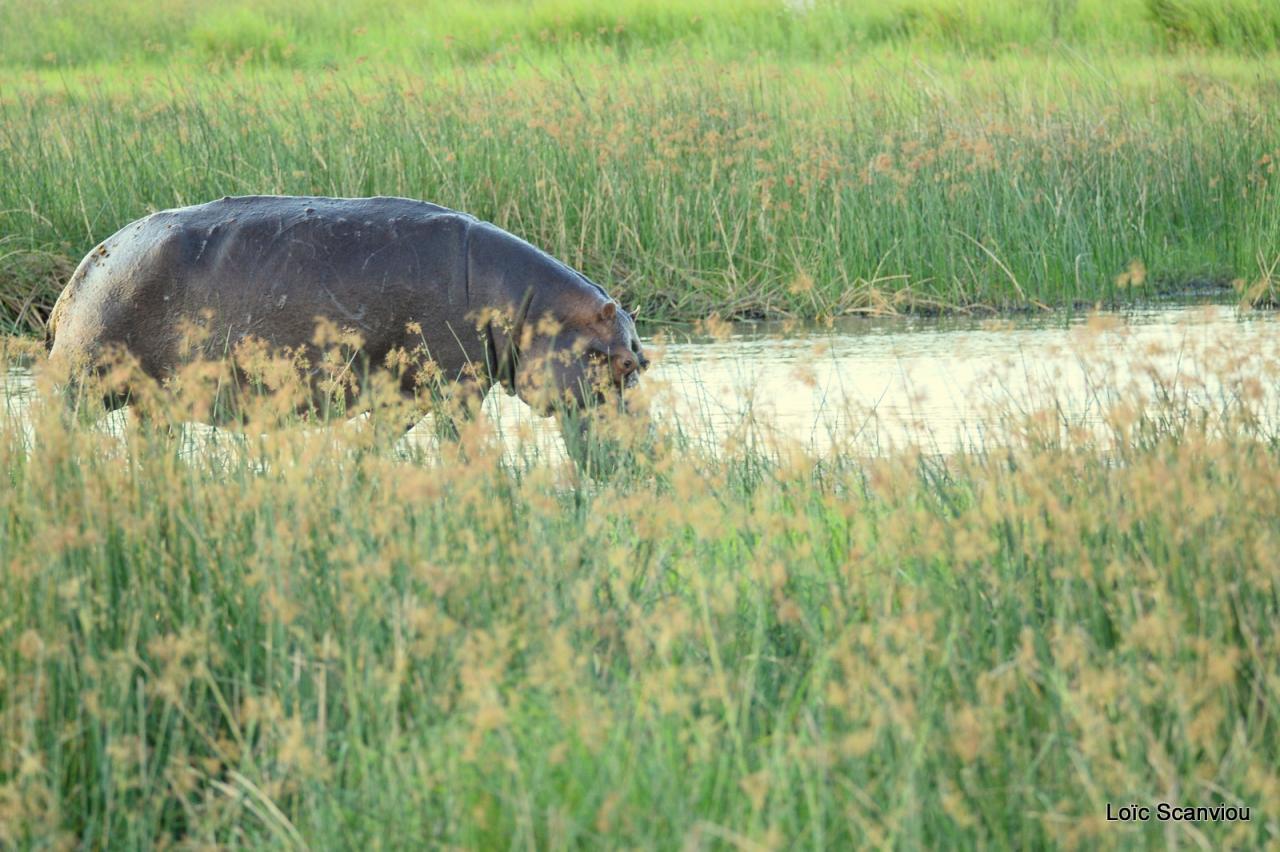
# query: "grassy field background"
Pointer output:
{"type": "Point", "coordinates": [294, 638]}
{"type": "Point", "coordinates": [310, 33]}
{"type": "Point", "coordinates": [741, 159]}
{"type": "Point", "coordinates": [297, 637]}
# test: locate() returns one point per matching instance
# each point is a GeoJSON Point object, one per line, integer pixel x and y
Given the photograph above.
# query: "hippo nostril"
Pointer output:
{"type": "Point", "coordinates": [628, 365]}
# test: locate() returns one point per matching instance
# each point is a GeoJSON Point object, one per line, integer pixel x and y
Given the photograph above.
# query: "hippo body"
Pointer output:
{"type": "Point", "coordinates": [400, 273]}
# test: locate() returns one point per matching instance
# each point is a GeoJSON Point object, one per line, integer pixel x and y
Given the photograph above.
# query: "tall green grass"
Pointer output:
{"type": "Point", "coordinates": [690, 186]}
{"type": "Point", "coordinates": [301, 639]}
{"type": "Point", "coordinates": [312, 33]}
{"type": "Point", "coordinates": [1253, 24]}
{"type": "Point", "coordinates": [746, 159]}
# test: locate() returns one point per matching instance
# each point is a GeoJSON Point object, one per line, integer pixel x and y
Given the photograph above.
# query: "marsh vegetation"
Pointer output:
{"type": "Point", "coordinates": [777, 162]}
{"type": "Point", "coordinates": [276, 634]}
{"type": "Point", "coordinates": [291, 634]}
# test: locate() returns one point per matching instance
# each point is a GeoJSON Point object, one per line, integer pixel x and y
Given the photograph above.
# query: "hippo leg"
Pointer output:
{"type": "Point", "coordinates": [86, 398]}
{"type": "Point", "coordinates": [588, 443]}
{"type": "Point", "coordinates": [575, 428]}
{"type": "Point", "coordinates": [90, 409]}
{"type": "Point", "coordinates": [603, 444]}
{"type": "Point", "coordinates": [447, 400]}
{"type": "Point", "coordinates": [449, 403]}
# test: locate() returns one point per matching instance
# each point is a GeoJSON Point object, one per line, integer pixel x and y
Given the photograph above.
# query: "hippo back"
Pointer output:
{"type": "Point", "coordinates": [271, 268]}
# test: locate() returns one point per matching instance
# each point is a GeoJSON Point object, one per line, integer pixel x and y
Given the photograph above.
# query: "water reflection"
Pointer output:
{"type": "Point", "coordinates": [866, 386]}
{"type": "Point", "coordinates": [872, 385]}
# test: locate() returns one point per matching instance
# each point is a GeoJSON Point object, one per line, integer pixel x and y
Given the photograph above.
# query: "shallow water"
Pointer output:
{"type": "Point", "coordinates": [868, 385]}
{"type": "Point", "coordinates": [15, 390]}
{"type": "Point", "coordinates": [873, 384]}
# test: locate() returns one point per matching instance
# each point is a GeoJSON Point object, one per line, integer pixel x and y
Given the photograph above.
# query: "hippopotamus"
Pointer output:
{"type": "Point", "coordinates": [403, 275]}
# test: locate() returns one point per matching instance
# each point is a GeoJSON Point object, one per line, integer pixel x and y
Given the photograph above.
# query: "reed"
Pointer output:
{"type": "Point", "coordinates": [291, 636]}
{"type": "Point", "coordinates": [690, 185]}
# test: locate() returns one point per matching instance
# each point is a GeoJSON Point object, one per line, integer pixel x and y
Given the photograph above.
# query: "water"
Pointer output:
{"type": "Point", "coordinates": [868, 385]}
{"type": "Point", "coordinates": [15, 391]}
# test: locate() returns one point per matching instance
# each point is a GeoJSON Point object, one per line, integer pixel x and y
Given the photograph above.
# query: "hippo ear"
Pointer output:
{"type": "Point", "coordinates": [609, 311]}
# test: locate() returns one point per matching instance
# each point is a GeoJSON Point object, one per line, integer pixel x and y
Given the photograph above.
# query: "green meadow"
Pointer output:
{"type": "Point", "coordinates": [748, 160]}
{"type": "Point", "coordinates": [292, 637]}
{"type": "Point", "coordinates": [287, 636]}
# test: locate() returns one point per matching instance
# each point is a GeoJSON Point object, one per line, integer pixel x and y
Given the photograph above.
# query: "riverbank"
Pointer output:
{"type": "Point", "coordinates": [897, 178]}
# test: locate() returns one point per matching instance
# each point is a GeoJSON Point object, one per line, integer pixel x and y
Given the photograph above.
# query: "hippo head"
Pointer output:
{"type": "Point", "coordinates": [587, 354]}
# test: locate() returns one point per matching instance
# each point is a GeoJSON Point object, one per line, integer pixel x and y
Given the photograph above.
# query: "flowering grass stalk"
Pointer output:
{"type": "Point", "coordinates": [893, 181]}
{"type": "Point", "coordinates": [299, 636]}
